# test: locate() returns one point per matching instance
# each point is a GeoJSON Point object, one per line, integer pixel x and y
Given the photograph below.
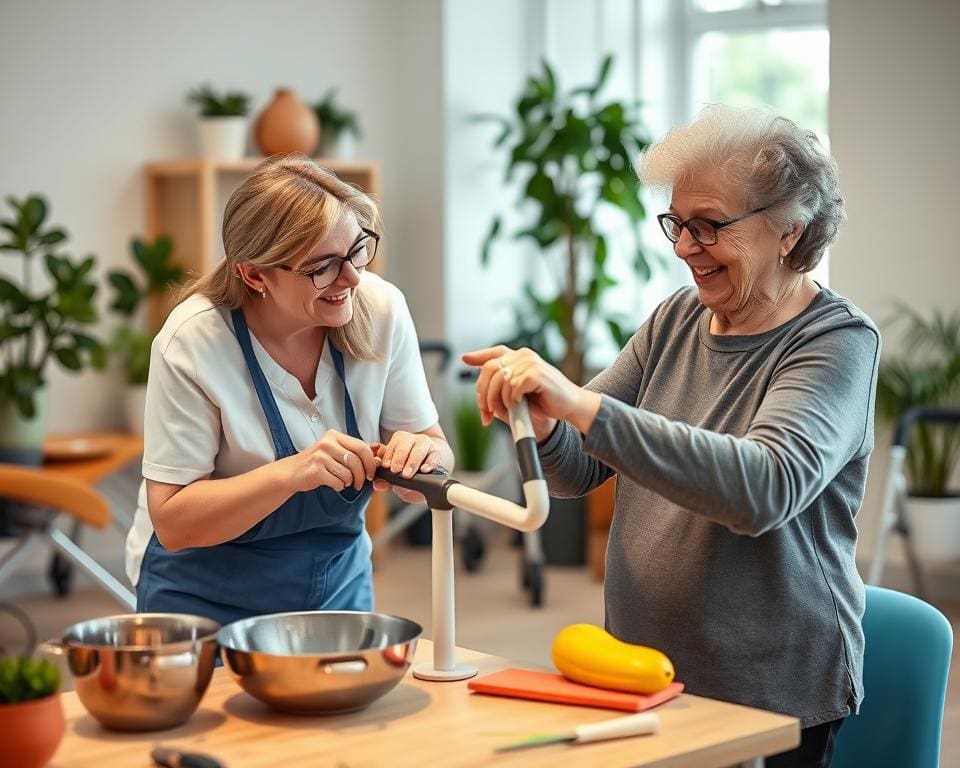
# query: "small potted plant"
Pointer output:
{"type": "Point", "coordinates": [40, 322]}
{"type": "Point", "coordinates": [131, 344]}
{"type": "Point", "coordinates": [927, 373]}
{"type": "Point", "coordinates": [473, 442]}
{"type": "Point", "coordinates": [338, 127]}
{"type": "Point", "coordinates": [223, 122]}
{"type": "Point", "coordinates": [31, 714]}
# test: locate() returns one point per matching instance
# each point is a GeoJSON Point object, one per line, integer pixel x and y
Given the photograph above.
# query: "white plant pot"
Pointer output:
{"type": "Point", "coordinates": [934, 528]}
{"type": "Point", "coordinates": [21, 440]}
{"type": "Point", "coordinates": [339, 146]}
{"type": "Point", "coordinates": [224, 138]}
{"type": "Point", "coordinates": [134, 405]}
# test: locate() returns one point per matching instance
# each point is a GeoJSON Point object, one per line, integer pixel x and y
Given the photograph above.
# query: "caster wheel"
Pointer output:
{"type": "Point", "coordinates": [536, 585]}
{"type": "Point", "coordinates": [60, 574]}
{"type": "Point", "coordinates": [473, 551]}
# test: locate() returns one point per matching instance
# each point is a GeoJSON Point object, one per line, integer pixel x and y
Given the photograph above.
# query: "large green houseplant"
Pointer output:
{"type": "Point", "coordinates": [576, 154]}
{"type": "Point", "coordinates": [927, 373]}
{"type": "Point", "coordinates": [131, 343]}
{"type": "Point", "coordinates": [40, 320]}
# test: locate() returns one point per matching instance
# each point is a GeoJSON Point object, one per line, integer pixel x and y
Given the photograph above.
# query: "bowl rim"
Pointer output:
{"type": "Point", "coordinates": [172, 647]}
{"type": "Point", "coordinates": [225, 646]}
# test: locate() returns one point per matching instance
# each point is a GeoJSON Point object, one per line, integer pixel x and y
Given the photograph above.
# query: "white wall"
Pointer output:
{"type": "Point", "coordinates": [480, 78]}
{"type": "Point", "coordinates": [90, 91]}
{"type": "Point", "coordinates": [894, 117]}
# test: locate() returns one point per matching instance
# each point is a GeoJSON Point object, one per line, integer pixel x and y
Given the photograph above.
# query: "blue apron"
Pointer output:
{"type": "Point", "coordinates": [311, 553]}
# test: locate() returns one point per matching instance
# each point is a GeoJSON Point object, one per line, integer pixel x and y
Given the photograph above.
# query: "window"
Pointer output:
{"type": "Point", "coordinates": [761, 53]}
{"type": "Point", "coordinates": [786, 69]}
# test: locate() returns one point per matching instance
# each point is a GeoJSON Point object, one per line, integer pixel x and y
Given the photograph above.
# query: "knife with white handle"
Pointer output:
{"type": "Point", "coordinates": [641, 724]}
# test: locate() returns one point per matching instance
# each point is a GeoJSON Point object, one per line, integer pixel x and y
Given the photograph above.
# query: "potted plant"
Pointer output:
{"type": "Point", "coordinates": [40, 322]}
{"type": "Point", "coordinates": [130, 343]}
{"type": "Point", "coordinates": [338, 127]}
{"type": "Point", "coordinates": [473, 442]}
{"type": "Point", "coordinates": [31, 714]}
{"type": "Point", "coordinates": [927, 373]}
{"type": "Point", "coordinates": [222, 128]}
{"type": "Point", "coordinates": [576, 153]}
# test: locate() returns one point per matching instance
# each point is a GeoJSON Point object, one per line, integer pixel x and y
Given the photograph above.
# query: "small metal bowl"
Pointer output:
{"type": "Point", "coordinates": [315, 662]}
{"type": "Point", "coordinates": [140, 671]}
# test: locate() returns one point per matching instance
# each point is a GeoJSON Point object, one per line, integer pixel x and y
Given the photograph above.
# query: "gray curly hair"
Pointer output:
{"type": "Point", "coordinates": [766, 157]}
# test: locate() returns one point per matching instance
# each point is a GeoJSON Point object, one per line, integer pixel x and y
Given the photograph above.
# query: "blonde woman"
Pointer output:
{"type": "Point", "coordinates": [276, 387]}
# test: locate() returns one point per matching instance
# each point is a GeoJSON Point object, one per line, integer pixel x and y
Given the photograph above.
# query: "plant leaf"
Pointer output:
{"type": "Point", "coordinates": [492, 234]}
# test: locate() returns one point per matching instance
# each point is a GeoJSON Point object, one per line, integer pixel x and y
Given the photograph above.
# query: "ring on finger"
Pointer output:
{"type": "Point", "coordinates": [507, 371]}
{"type": "Point", "coordinates": [346, 458]}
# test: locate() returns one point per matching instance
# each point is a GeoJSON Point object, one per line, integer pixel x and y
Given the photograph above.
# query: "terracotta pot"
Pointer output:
{"type": "Point", "coordinates": [31, 730]}
{"type": "Point", "coordinates": [287, 125]}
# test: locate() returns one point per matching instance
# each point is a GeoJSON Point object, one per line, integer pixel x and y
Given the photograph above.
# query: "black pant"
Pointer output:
{"type": "Point", "coordinates": [815, 750]}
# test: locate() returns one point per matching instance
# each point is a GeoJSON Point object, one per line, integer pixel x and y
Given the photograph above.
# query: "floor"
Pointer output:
{"type": "Point", "coordinates": [493, 613]}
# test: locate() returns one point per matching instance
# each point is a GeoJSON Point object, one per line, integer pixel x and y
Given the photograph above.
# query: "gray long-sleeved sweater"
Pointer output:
{"type": "Point", "coordinates": [741, 462]}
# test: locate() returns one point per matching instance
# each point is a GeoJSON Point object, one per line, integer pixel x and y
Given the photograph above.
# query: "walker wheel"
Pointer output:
{"type": "Point", "coordinates": [473, 550]}
{"type": "Point", "coordinates": [60, 574]}
{"type": "Point", "coordinates": [535, 581]}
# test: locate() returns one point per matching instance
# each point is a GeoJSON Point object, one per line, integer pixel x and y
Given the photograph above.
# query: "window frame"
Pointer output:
{"type": "Point", "coordinates": [760, 15]}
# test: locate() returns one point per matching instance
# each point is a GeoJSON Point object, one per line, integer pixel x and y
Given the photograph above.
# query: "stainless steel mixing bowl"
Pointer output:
{"type": "Point", "coordinates": [141, 671]}
{"type": "Point", "coordinates": [319, 661]}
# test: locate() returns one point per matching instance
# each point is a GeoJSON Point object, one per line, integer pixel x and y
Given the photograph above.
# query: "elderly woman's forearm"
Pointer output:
{"type": "Point", "coordinates": [569, 471]}
{"type": "Point", "coordinates": [750, 485]}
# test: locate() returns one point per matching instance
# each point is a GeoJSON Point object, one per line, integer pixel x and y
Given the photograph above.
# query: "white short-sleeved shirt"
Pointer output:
{"type": "Point", "coordinates": [203, 417]}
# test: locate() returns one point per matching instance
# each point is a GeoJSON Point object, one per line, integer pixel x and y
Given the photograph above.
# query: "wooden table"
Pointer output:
{"type": "Point", "coordinates": [117, 449]}
{"type": "Point", "coordinates": [431, 724]}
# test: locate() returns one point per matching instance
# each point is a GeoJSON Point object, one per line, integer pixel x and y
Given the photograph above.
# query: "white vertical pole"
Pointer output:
{"type": "Point", "coordinates": [444, 628]}
{"type": "Point", "coordinates": [444, 666]}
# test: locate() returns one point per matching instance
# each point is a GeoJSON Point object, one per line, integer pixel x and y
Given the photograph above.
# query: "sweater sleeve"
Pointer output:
{"type": "Point", "coordinates": [815, 416]}
{"type": "Point", "coordinates": [569, 471]}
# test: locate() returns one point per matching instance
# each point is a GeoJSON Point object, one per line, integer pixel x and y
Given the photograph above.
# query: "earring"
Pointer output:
{"type": "Point", "coordinates": [263, 291]}
{"type": "Point", "coordinates": [781, 261]}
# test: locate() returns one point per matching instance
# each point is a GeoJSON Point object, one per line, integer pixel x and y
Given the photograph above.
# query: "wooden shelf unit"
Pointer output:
{"type": "Point", "coordinates": [185, 199]}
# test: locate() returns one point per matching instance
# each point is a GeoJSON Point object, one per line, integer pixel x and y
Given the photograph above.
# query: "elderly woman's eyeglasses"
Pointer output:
{"type": "Point", "coordinates": [704, 231]}
{"type": "Point", "coordinates": [326, 271]}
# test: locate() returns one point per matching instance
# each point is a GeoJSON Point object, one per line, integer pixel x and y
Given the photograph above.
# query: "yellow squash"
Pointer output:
{"type": "Point", "coordinates": [588, 654]}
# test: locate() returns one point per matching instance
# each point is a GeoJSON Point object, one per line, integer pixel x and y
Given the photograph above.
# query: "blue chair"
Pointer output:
{"type": "Point", "coordinates": [905, 668]}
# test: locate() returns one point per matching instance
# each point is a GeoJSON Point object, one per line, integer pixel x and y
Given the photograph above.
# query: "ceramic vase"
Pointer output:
{"type": "Point", "coordinates": [287, 125]}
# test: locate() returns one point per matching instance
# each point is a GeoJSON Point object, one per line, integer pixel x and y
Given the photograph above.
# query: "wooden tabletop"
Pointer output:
{"type": "Point", "coordinates": [108, 453]}
{"type": "Point", "coordinates": [431, 724]}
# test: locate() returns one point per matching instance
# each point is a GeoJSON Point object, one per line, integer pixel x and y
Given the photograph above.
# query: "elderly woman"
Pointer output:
{"type": "Point", "coordinates": [276, 387]}
{"type": "Point", "coordinates": [738, 422]}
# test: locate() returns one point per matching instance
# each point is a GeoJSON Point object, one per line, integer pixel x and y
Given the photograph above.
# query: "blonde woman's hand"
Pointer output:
{"type": "Point", "coordinates": [508, 375]}
{"type": "Point", "coordinates": [405, 454]}
{"type": "Point", "coordinates": [336, 460]}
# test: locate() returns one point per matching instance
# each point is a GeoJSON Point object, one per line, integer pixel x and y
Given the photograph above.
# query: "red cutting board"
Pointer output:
{"type": "Point", "coordinates": [548, 686]}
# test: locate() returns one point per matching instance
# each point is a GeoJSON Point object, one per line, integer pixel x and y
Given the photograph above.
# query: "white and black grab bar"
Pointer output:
{"type": "Point", "coordinates": [443, 493]}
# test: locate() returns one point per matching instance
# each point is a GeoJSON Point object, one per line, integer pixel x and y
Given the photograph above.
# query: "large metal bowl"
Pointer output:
{"type": "Point", "coordinates": [142, 671]}
{"type": "Point", "coordinates": [319, 661]}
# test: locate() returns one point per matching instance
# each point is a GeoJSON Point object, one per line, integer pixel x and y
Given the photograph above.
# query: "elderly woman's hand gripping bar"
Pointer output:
{"type": "Point", "coordinates": [443, 494]}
